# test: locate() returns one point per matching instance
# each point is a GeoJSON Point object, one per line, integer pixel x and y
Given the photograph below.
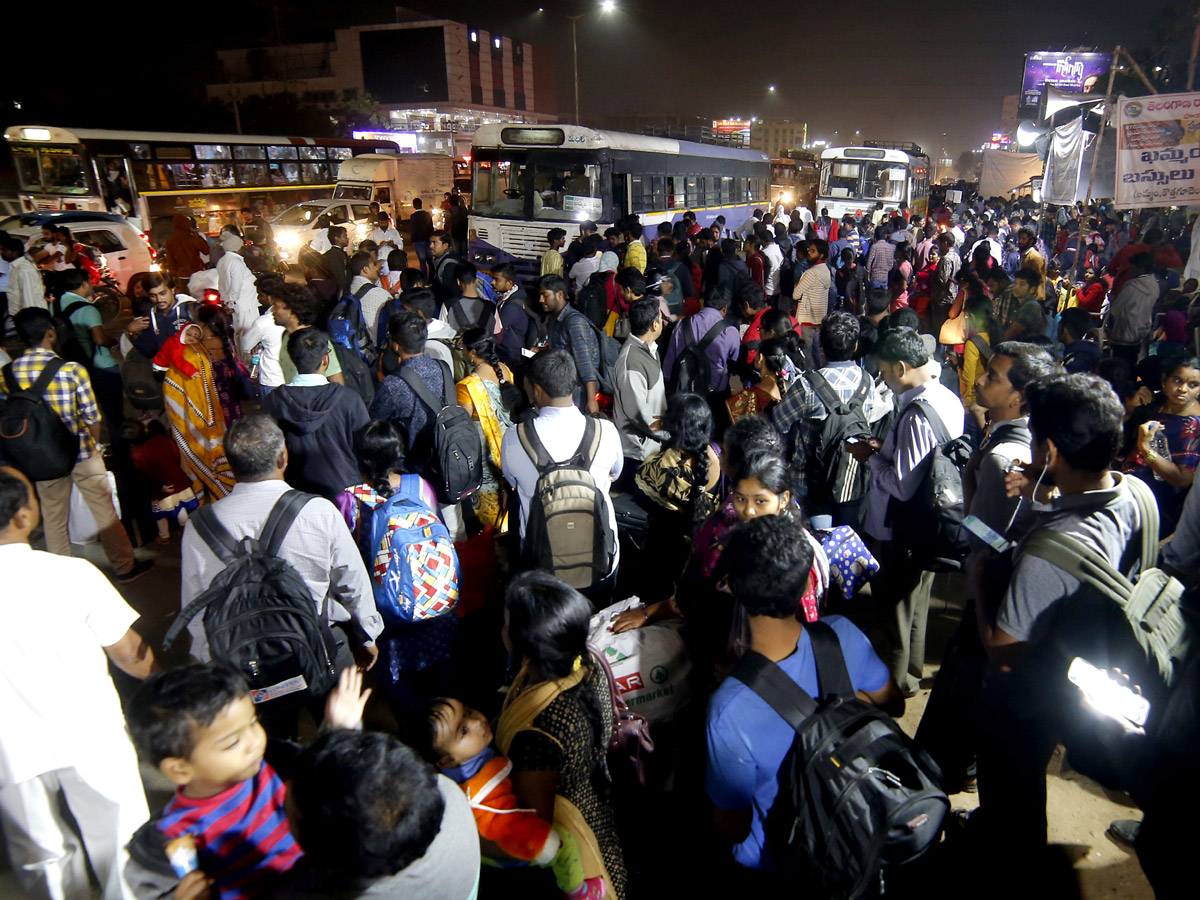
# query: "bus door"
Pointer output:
{"type": "Point", "coordinates": [116, 184]}
{"type": "Point", "coordinates": [620, 196]}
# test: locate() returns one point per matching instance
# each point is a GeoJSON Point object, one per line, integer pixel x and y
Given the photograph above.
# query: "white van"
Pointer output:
{"type": "Point", "coordinates": [395, 181]}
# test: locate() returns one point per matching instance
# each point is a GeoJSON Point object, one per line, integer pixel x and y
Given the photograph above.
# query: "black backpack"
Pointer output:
{"type": "Point", "coordinates": [592, 299]}
{"type": "Point", "coordinates": [693, 371]}
{"type": "Point", "coordinates": [856, 795]}
{"type": "Point", "coordinates": [357, 375]}
{"type": "Point", "coordinates": [67, 343]}
{"type": "Point", "coordinates": [929, 523]}
{"type": "Point", "coordinates": [33, 437]}
{"type": "Point", "coordinates": [832, 472]}
{"type": "Point", "coordinates": [457, 445]}
{"type": "Point", "coordinates": [567, 532]}
{"type": "Point", "coordinates": [259, 615]}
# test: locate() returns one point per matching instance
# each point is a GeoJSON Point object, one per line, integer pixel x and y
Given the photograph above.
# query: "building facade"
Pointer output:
{"type": "Point", "coordinates": [775, 137]}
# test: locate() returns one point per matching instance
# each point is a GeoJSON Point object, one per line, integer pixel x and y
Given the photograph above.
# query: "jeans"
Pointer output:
{"type": "Point", "coordinates": [424, 258]}
{"type": "Point", "coordinates": [900, 595]}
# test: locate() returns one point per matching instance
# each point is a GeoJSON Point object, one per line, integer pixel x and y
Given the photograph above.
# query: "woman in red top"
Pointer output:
{"type": "Point", "coordinates": [1095, 289]}
{"type": "Point", "coordinates": [756, 262]}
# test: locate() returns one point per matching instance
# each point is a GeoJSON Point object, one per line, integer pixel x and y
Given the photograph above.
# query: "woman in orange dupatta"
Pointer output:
{"type": "Point", "coordinates": [482, 394]}
{"type": "Point", "coordinates": [192, 397]}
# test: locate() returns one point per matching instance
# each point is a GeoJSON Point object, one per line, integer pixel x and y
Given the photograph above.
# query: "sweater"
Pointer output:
{"type": "Point", "coordinates": [318, 425]}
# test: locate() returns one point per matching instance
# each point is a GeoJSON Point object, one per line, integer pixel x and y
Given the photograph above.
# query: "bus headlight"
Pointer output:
{"type": "Point", "coordinates": [786, 197]}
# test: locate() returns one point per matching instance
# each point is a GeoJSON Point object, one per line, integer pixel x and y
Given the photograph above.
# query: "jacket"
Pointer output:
{"type": "Point", "coordinates": [641, 396]}
{"type": "Point", "coordinates": [183, 249]}
{"type": "Point", "coordinates": [1131, 313]}
{"type": "Point", "coordinates": [518, 832]}
{"type": "Point", "coordinates": [318, 425]}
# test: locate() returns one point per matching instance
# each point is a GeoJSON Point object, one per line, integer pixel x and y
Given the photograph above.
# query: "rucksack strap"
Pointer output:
{"type": "Point", "coordinates": [712, 334]}
{"type": "Point", "coordinates": [533, 446]}
{"type": "Point", "coordinates": [925, 408]}
{"type": "Point", "coordinates": [286, 509]}
{"type": "Point", "coordinates": [214, 534]}
{"type": "Point", "coordinates": [833, 404]}
{"type": "Point", "coordinates": [1080, 561]}
{"type": "Point", "coordinates": [832, 675]}
{"type": "Point", "coordinates": [981, 344]}
{"type": "Point", "coordinates": [70, 310]}
{"type": "Point", "coordinates": [44, 378]}
{"type": "Point", "coordinates": [363, 291]}
{"type": "Point", "coordinates": [772, 684]}
{"type": "Point", "coordinates": [413, 380]}
{"type": "Point", "coordinates": [9, 378]}
{"type": "Point", "coordinates": [589, 445]}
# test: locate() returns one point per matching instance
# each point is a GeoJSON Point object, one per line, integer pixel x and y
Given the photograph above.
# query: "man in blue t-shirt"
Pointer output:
{"type": "Point", "coordinates": [769, 560]}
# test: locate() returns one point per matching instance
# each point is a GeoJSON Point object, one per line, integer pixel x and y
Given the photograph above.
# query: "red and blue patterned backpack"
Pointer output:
{"type": "Point", "coordinates": [409, 554]}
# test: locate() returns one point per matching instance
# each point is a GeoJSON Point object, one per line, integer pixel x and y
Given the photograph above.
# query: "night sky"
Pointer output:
{"type": "Point", "coordinates": [904, 71]}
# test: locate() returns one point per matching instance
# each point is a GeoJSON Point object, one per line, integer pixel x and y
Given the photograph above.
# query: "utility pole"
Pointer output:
{"type": "Point", "coordinates": [575, 57]}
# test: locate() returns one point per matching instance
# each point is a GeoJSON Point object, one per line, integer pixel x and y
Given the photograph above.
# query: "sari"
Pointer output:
{"type": "Point", "coordinates": [197, 421]}
{"type": "Point", "coordinates": [493, 421]}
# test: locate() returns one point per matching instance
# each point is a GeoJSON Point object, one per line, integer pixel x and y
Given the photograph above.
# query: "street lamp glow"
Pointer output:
{"type": "Point", "coordinates": [771, 87]}
{"type": "Point", "coordinates": [608, 5]}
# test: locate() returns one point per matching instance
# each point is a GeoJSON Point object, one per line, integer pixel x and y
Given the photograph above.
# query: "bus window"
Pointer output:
{"type": "Point", "coordinates": [63, 172]}
{"type": "Point", "coordinates": [727, 190]}
{"type": "Point", "coordinates": [314, 173]}
{"type": "Point", "coordinates": [215, 175]}
{"type": "Point", "coordinates": [658, 193]}
{"type": "Point", "coordinates": [249, 151]}
{"type": "Point", "coordinates": [252, 175]}
{"type": "Point", "coordinates": [840, 179]}
{"type": "Point", "coordinates": [28, 173]}
{"type": "Point", "coordinates": [212, 151]}
{"type": "Point", "coordinates": [568, 192]}
{"type": "Point", "coordinates": [692, 194]}
{"type": "Point", "coordinates": [341, 153]}
{"type": "Point", "coordinates": [884, 181]}
{"type": "Point", "coordinates": [284, 173]}
{"type": "Point", "coordinates": [281, 152]}
{"type": "Point", "coordinates": [312, 153]}
{"type": "Point", "coordinates": [640, 198]}
{"type": "Point", "coordinates": [499, 187]}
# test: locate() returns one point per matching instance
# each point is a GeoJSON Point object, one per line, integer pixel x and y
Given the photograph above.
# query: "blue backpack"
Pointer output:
{"type": "Point", "coordinates": [410, 555]}
{"type": "Point", "coordinates": [386, 312]}
{"type": "Point", "coordinates": [347, 325]}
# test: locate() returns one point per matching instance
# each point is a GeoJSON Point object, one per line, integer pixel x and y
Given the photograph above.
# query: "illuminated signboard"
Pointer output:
{"type": "Point", "coordinates": [1074, 72]}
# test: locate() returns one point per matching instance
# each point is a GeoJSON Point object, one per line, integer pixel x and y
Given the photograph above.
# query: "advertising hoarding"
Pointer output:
{"type": "Point", "coordinates": [1158, 150]}
{"type": "Point", "coordinates": [1076, 72]}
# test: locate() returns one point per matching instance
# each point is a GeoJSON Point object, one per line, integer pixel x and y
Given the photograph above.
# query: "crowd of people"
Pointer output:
{"type": "Point", "coordinates": [439, 487]}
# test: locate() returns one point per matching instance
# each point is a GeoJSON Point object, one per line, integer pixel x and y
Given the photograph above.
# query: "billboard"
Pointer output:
{"type": "Point", "coordinates": [1076, 72]}
{"type": "Point", "coordinates": [1158, 150]}
{"type": "Point", "coordinates": [732, 128]}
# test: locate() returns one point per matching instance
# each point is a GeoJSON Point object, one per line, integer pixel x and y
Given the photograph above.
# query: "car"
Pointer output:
{"type": "Point", "coordinates": [297, 226]}
{"type": "Point", "coordinates": [125, 249]}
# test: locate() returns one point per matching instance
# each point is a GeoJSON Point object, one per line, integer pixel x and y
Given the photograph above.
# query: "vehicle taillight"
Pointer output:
{"type": "Point", "coordinates": [211, 296]}
{"type": "Point", "coordinates": [69, 205]}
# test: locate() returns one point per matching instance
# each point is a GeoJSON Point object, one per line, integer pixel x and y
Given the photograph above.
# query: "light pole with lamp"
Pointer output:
{"type": "Point", "coordinates": [606, 6]}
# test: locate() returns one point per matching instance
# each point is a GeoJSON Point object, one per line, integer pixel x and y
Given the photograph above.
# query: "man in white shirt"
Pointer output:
{"type": "Point", "coordinates": [266, 335]}
{"type": "Point", "coordinates": [774, 256]}
{"type": "Point", "coordinates": [593, 248]}
{"type": "Point", "coordinates": [317, 544]}
{"type": "Point", "coordinates": [25, 285]}
{"type": "Point", "coordinates": [364, 272]}
{"type": "Point", "coordinates": [812, 290]}
{"type": "Point", "coordinates": [235, 281]}
{"type": "Point", "coordinates": [560, 426]}
{"type": "Point", "coordinates": [746, 229]}
{"type": "Point", "coordinates": [387, 237]}
{"type": "Point", "coordinates": [897, 468]}
{"type": "Point", "coordinates": [64, 734]}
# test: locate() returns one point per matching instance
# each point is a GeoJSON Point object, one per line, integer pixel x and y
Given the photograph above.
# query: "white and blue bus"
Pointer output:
{"type": "Point", "coordinates": [854, 179]}
{"type": "Point", "coordinates": [529, 179]}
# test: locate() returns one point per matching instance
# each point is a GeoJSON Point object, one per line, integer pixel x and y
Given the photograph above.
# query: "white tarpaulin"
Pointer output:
{"type": "Point", "coordinates": [1062, 165]}
{"type": "Point", "coordinates": [1158, 150]}
{"type": "Point", "coordinates": [1004, 171]}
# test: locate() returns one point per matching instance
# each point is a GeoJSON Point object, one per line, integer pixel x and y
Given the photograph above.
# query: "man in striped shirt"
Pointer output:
{"type": "Point", "coordinates": [70, 395]}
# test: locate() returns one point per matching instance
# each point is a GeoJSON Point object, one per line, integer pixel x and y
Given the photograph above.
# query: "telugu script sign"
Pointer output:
{"type": "Point", "coordinates": [1158, 150]}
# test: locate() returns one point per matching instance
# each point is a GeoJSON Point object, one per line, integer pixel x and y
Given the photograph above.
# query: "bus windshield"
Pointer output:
{"type": "Point", "coordinates": [884, 181]}
{"type": "Point", "coordinates": [561, 186]}
{"type": "Point", "coordinates": [51, 170]}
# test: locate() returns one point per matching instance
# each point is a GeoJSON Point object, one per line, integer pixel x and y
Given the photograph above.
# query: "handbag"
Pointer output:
{"type": "Point", "coordinates": [630, 740]}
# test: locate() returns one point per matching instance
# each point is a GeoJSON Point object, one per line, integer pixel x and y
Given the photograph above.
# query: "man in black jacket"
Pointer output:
{"type": "Point", "coordinates": [318, 419]}
{"type": "Point", "coordinates": [421, 223]}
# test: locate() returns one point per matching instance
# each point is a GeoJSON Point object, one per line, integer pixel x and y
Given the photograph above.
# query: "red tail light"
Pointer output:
{"type": "Point", "coordinates": [210, 296]}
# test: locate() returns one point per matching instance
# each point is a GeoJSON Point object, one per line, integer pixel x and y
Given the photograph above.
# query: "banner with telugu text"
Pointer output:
{"type": "Point", "coordinates": [1158, 150]}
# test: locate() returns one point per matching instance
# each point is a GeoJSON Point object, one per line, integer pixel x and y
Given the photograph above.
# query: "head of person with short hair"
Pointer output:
{"type": "Point", "coordinates": [465, 274]}
{"type": "Point", "coordinates": [11, 249]}
{"type": "Point", "coordinates": [295, 307]}
{"type": "Point", "coordinates": [878, 303]}
{"type": "Point", "coordinates": [338, 236]}
{"type": "Point", "coordinates": [365, 264]}
{"type": "Point", "coordinates": [1026, 238]}
{"type": "Point", "coordinates": [1140, 264]}
{"type": "Point", "coordinates": [309, 350]}
{"type": "Point", "coordinates": [439, 243]}
{"type": "Point", "coordinates": [555, 237]}
{"type": "Point", "coordinates": [420, 301]}
{"type": "Point", "coordinates": [1013, 366]}
{"type": "Point", "coordinates": [633, 229]}
{"type": "Point", "coordinates": [397, 260]}
{"type": "Point", "coordinates": [612, 236]}
{"type": "Point", "coordinates": [35, 327]}
{"type": "Point", "coordinates": [902, 359]}
{"type": "Point", "coordinates": [818, 251]}
{"type": "Point", "coordinates": [551, 378]}
{"type": "Point", "coordinates": [77, 282]}
{"type": "Point", "coordinates": [363, 805]}
{"type": "Point", "coordinates": [408, 331]}
{"type": "Point", "coordinates": [552, 292]}
{"type": "Point", "coordinates": [645, 319]}
{"type": "Point", "coordinates": [1025, 284]}
{"type": "Point", "coordinates": [255, 449]}
{"type": "Point", "coordinates": [197, 724]}
{"type": "Point", "coordinates": [504, 277]}
{"type": "Point", "coordinates": [1075, 422]}
{"type": "Point", "coordinates": [19, 510]}
{"type": "Point", "coordinates": [729, 248]}
{"type": "Point", "coordinates": [718, 298]}
{"type": "Point", "coordinates": [839, 336]}
{"type": "Point", "coordinates": [1074, 325]}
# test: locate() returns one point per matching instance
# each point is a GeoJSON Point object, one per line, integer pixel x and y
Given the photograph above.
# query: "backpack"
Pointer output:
{"type": "Point", "coordinates": [347, 326]}
{"type": "Point", "coordinates": [856, 795]}
{"type": "Point", "coordinates": [386, 312]}
{"type": "Point", "coordinates": [33, 437]}
{"type": "Point", "coordinates": [833, 474]}
{"type": "Point", "coordinates": [932, 518]}
{"type": "Point", "coordinates": [142, 388]}
{"type": "Point", "coordinates": [259, 615]}
{"type": "Point", "coordinates": [359, 377]}
{"type": "Point", "coordinates": [414, 569]}
{"type": "Point", "coordinates": [567, 532]}
{"type": "Point", "coordinates": [486, 316]}
{"type": "Point", "coordinates": [610, 349]}
{"type": "Point", "coordinates": [693, 371]}
{"type": "Point", "coordinates": [1152, 605]}
{"type": "Point", "coordinates": [593, 298]}
{"type": "Point", "coordinates": [68, 345]}
{"type": "Point", "coordinates": [630, 738]}
{"type": "Point", "coordinates": [457, 444]}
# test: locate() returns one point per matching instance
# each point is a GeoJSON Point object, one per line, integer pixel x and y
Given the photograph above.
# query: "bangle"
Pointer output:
{"type": "Point", "coordinates": [645, 612]}
{"type": "Point", "coordinates": [1149, 456]}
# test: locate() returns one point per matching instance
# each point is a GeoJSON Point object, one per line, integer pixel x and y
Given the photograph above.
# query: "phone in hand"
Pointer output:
{"type": "Point", "coordinates": [1106, 695]}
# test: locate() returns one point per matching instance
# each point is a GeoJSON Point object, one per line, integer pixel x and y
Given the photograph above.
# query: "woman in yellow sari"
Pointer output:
{"type": "Point", "coordinates": [556, 721]}
{"type": "Point", "coordinates": [488, 394]}
{"type": "Point", "coordinates": [200, 396]}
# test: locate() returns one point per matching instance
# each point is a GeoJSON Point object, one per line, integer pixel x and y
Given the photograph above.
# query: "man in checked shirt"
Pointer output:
{"type": "Point", "coordinates": [70, 395]}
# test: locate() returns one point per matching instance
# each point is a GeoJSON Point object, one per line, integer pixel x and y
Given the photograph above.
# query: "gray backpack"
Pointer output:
{"type": "Point", "coordinates": [568, 532]}
{"type": "Point", "coordinates": [1152, 604]}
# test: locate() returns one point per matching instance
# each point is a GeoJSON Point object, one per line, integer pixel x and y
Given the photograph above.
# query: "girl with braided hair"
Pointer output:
{"type": "Point", "coordinates": [776, 371]}
{"type": "Point", "coordinates": [490, 397]}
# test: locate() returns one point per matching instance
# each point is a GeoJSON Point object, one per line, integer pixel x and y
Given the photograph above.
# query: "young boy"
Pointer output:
{"type": "Point", "coordinates": [224, 834]}
{"type": "Point", "coordinates": [459, 743]}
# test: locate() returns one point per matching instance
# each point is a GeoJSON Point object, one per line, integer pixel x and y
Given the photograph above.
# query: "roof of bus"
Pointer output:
{"type": "Point", "coordinates": [74, 135]}
{"type": "Point", "coordinates": [576, 137]}
{"type": "Point", "coordinates": [857, 153]}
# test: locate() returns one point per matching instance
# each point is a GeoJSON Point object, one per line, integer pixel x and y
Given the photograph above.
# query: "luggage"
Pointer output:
{"type": "Point", "coordinates": [33, 437]}
{"type": "Point", "coordinates": [693, 370]}
{"type": "Point", "coordinates": [457, 443]}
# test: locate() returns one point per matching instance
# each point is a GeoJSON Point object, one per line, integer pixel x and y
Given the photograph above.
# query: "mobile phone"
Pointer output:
{"type": "Point", "coordinates": [986, 533]}
{"type": "Point", "coordinates": [1106, 695]}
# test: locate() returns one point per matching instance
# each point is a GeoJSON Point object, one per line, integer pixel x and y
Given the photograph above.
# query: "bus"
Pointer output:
{"type": "Point", "coordinates": [794, 182]}
{"type": "Point", "coordinates": [526, 180]}
{"type": "Point", "coordinates": [151, 176]}
{"type": "Point", "coordinates": [855, 179]}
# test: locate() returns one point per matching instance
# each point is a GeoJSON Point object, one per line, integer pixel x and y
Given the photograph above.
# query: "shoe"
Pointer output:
{"type": "Point", "coordinates": [591, 889]}
{"type": "Point", "coordinates": [1124, 832]}
{"type": "Point", "coordinates": [140, 568]}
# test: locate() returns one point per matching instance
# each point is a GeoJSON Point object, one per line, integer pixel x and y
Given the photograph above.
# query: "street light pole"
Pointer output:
{"type": "Point", "coordinates": [575, 57]}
